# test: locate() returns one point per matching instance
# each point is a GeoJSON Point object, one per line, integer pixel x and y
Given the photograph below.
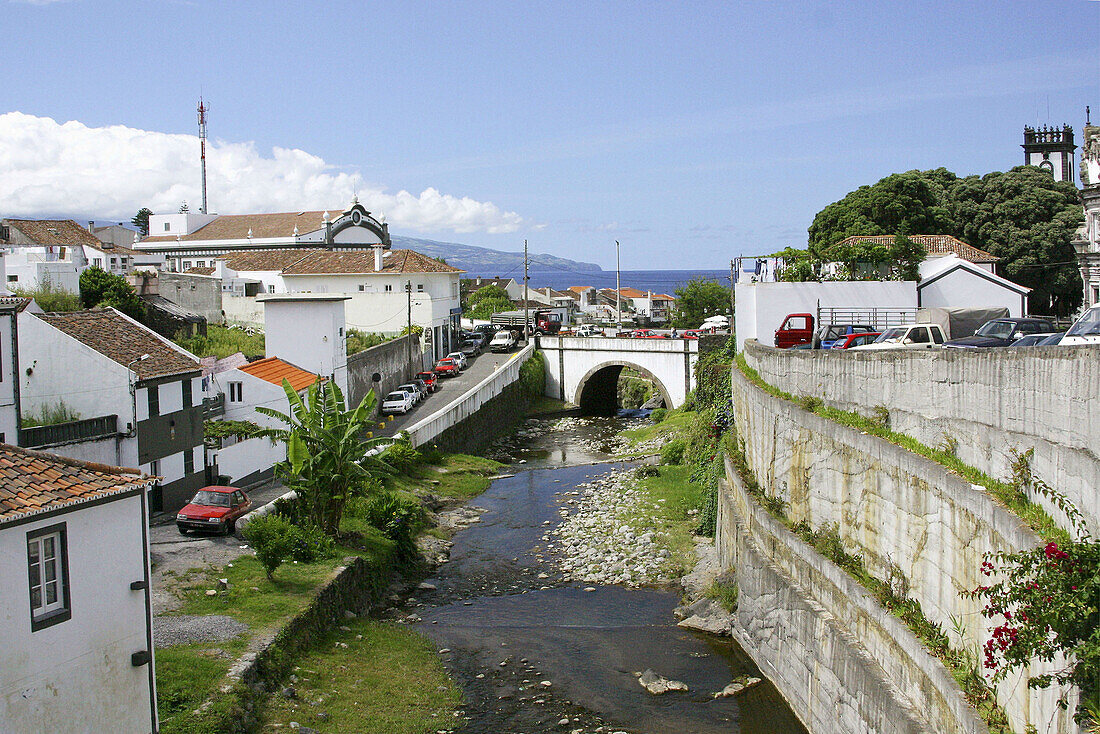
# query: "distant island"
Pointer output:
{"type": "Point", "coordinates": [485, 261]}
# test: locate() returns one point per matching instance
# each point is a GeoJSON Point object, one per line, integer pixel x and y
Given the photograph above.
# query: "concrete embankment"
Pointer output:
{"type": "Point", "coordinates": [987, 402]}
{"type": "Point", "coordinates": [910, 519]}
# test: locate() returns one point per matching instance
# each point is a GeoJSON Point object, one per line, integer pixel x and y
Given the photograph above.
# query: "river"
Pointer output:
{"type": "Point", "coordinates": [535, 653]}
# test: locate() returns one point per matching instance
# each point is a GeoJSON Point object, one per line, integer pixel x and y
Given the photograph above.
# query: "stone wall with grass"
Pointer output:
{"type": "Point", "coordinates": [910, 519]}
{"type": "Point", "coordinates": [982, 403]}
{"type": "Point", "coordinates": [840, 659]}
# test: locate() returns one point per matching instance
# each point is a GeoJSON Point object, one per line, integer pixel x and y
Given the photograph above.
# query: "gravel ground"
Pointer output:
{"type": "Point", "coordinates": [184, 628]}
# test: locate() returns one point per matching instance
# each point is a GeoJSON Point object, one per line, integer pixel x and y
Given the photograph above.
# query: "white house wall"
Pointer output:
{"type": "Point", "coordinates": [964, 289]}
{"type": "Point", "coordinates": [245, 458]}
{"type": "Point", "coordinates": [9, 424]}
{"type": "Point", "coordinates": [76, 676]}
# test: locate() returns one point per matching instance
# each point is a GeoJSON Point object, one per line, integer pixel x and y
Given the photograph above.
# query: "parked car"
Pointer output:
{"type": "Point", "coordinates": [475, 336]}
{"type": "Point", "coordinates": [460, 359]}
{"type": "Point", "coordinates": [398, 401]}
{"type": "Point", "coordinates": [1001, 333]}
{"type": "Point", "coordinates": [1033, 340]}
{"type": "Point", "coordinates": [1053, 340]}
{"type": "Point", "coordinates": [504, 341]}
{"type": "Point", "coordinates": [797, 328]}
{"type": "Point", "coordinates": [215, 509]}
{"type": "Point", "coordinates": [430, 380]}
{"type": "Point", "coordinates": [418, 392]}
{"type": "Point", "coordinates": [447, 368]}
{"type": "Point", "coordinates": [658, 336]}
{"type": "Point", "coordinates": [910, 336]}
{"type": "Point", "coordinates": [587, 330]}
{"type": "Point", "coordinates": [471, 348]}
{"type": "Point", "coordinates": [827, 335]}
{"type": "Point", "coordinates": [641, 333]}
{"type": "Point", "coordinates": [1086, 330]}
{"type": "Point", "coordinates": [689, 334]}
{"type": "Point", "coordinates": [855, 340]}
{"type": "Point", "coordinates": [487, 330]}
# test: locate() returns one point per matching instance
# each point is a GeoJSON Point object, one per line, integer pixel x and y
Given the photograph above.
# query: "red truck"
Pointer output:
{"type": "Point", "coordinates": [797, 328]}
{"type": "Point", "coordinates": [539, 321]}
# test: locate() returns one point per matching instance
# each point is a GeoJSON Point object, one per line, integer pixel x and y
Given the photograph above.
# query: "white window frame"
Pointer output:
{"type": "Point", "coordinates": [42, 565]}
{"type": "Point", "coordinates": [236, 392]}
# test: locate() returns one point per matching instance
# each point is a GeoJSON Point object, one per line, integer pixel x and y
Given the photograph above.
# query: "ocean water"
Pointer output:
{"type": "Point", "coordinates": [658, 281]}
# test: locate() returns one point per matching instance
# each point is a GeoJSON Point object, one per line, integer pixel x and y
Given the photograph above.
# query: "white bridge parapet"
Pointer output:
{"type": "Point", "coordinates": [572, 363]}
{"type": "Point", "coordinates": [426, 430]}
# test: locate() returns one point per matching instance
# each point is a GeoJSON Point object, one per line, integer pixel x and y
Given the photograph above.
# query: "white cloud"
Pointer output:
{"type": "Point", "coordinates": [50, 168]}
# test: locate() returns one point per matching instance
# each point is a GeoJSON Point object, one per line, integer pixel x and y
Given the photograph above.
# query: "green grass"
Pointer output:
{"type": "Point", "coordinates": [541, 404]}
{"type": "Point", "coordinates": [49, 415]}
{"type": "Point", "coordinates": [459, 476]}
{"type": "Point", "coordinates": [389, 682]}
{"type": "Point", "coordinates": [723, 592]}
{"type": "Point", "coordinates": [221, 342]}
{"type": "Point", "coordinates": [189, 674]}
{"type": "Point", "coordinates": [1004, 493]}
{"type": "Point", "coordinates": [676, 421]}
{"type": "Point", "coordinates": [671, 517]}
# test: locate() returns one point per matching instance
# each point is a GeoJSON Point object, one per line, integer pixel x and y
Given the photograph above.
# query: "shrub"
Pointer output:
{"type": "Point", "coordinates": [658, 414]}
{"type": "Point", "coordinates": [272, 536]}
{"type": "Point", "coordinates": [647, 470]}
{"type": "Point", "coordinates": [308, 543]}
{"type": "Point", "coordinates": [809, 403]}
{"type": "Point", "coordinates": [402, 457]}
{"type": "Point", "coordinates": [672, 453]}
{"type": "Point", "coordinates": [532, 375]}
{"type": "Point", "coordinates": [724, 591]}
{"type": "Point", "coordinates": [398, 519]}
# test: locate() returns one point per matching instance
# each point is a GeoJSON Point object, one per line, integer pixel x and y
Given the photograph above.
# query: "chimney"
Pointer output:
{"type": "Point", "coordinates": [91, 226]}
{"type": "Point", "coordinates": [377, 258]}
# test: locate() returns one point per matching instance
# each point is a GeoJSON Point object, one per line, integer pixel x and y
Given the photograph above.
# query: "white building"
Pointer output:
{"type": "Point", "coordinates": [1087, 242]}
{"type": "Point", "coordinates": [75, 613]}
{"type": "Point", "coordinates": [246, 387]}
{"type": "Point", "coordinates": [374, 283]}
{"type": "Point", "coordinates": [10, 308]}
{"type": "Point", "coordinates": [951, 282]}
{"type": "Point", "coordinates": [138, 396]}
{"type": "Point", "coordinates": [308, 330]}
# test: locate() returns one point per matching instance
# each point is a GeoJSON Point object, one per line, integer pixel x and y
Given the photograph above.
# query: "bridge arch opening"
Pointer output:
{"type": "Point", "coordinates": [597, 392]}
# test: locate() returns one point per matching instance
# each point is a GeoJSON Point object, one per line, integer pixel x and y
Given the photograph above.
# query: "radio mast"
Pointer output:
{"type": "Point", "coordinates": [202, 142]}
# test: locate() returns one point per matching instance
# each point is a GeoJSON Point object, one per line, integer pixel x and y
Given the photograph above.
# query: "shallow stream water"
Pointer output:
{"type": "Point", "coordinates": [534, 653]}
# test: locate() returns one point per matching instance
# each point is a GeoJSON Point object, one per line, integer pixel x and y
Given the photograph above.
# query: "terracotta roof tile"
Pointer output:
{"type": "Point", "coordinates": [937, 245]}
{"type": "Point", "coordinates": [53, 232]}
{"type": "Point", "coordinates": [263, 226]}
{"type": "Point", "coordinates": [35, 481]}
{"type": "Point", "coordinates": [334, 262]}
{"type": "Point", "coordinates": [199, 271]}
{"type": "Point", "coordinates": [275, 370]}
{"type": "Point", "coordinates": [123, 341]}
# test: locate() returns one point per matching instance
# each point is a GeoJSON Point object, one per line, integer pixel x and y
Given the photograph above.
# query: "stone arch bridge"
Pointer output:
{"type": "Point", "coordinates": [585, 370]}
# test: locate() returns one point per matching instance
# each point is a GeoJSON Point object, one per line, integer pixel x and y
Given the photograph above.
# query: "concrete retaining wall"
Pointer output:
{"type": "Point", "coordinates": [435, 427]}
{"type": "Point", "coordinates": [390, 360]}
{"type": "Point", "coordinates": [896, 509]}
{"type": "Point", "coordinates": [842, 661]}
{"type": "Point", "coordinates": [990, 401]}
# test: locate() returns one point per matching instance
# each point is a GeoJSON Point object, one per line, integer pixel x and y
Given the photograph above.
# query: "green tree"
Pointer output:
{"type": "Point", "coordinates": [906, 257]}
{"type": "Point", "coordinates": [94, 283]}
{"type": "Point", "coordinates": [100, 289]}
{"type": "Point", "coordinates": [697, 300]}
{"type": "Point", "coordinates": [141, 220]}
{"type": "Point", "coordinates": [327, 462]}
{"type": "Point", "coordinates": [486, 301]}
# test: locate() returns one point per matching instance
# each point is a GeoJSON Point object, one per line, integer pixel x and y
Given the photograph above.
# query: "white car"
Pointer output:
{"type": "Point", "coordinates": [398, 401]}
{"type": "Point", "coordinates": [410, 387]}
{"type": "Point", "coordinates": [504, 341]}
{"type": "Point", "coordinates": [910, 336]}
{"type": "Point", "coordinates": [1086, 330]}
{"type": "Point", "coordinates": [587, 330]}
{"type": "Point", "coordinates": [459, 358]}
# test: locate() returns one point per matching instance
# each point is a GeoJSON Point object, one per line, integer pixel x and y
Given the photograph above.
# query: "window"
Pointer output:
{"type": "Point", "coordinates": [186, 264]}
{"type": "Point", "coordinates": [186, 384]}
{"type": "Point", "coordinates": [1095, 294]}
{"type": "Point", "coordinates": [238, 499]}
{"type": "Point", "coordinates": [97, 262]}
{"type": "Point", "coordinates": [114, 261]}
{"type": "Point", "coordinates": [389, 288]}
{"type": "Point", "coordinates": [419, 287]}
{"type": "Point", "coordinates": [188, 461]}
{"type": "Point", "coordinates": [236, 392]}
{"type": "Point", "coordinates": [937, 336]}
{"type": "Point", "coordinates": [48, 576]}
{"type": "Point", "coordinates": [13, 278]}
{"type": "Point", "coordinates": [166, 226]}
{"type": "Point", "coordinates": [919, 336]}
{"type": "Point", "coordinates": [200, 263]}
{"type": "Point", "coordinates": [362, 287]}
{"type": "Point", "coordinates": [154, 400]}
{"type": "Point", "coordinates": [271, 289]}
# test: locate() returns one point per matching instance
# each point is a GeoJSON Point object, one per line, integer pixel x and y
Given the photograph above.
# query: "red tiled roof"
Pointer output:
{"type": "Point", "coordinates": [263, 226]}
{"type": "Point", "coordinates": [54, 232]}
{"type": "Point", "coordinates": [334, 262]}
{"type": "Point", "coordinates": [275, 370]}
{"type": "Point", "coordinates": [33, 481]}
{"type": "Point", "coordinates": [199, 271]}
{"type": "Point", "coordinates": [123, 341]}
{"type": "Point", "coordinates": [937, 245]}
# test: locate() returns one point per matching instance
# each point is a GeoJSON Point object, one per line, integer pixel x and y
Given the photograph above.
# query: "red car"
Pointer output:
{"type": "Point", "coordinates": [641, 333]}
{"type": "Point", "coordinates": [430, 379]}
{"type": "Point", "coordinates": [855, 340]}
{"type": "Point", "coordinates": [214, 509]}
{"type": "Point", "coordinates": [658, 336]}
{"type": "Point", "coordinates": [689, 334]}
{"type": "Point", "coordinates": [447, 368]}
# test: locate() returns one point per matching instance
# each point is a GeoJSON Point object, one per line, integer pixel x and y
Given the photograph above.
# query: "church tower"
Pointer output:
{"type": "Point", "coordinates": [1050, 149]}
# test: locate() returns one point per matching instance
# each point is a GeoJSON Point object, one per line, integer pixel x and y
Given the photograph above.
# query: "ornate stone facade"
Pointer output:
{"type": "Point", "coordinates": [1087, 242]}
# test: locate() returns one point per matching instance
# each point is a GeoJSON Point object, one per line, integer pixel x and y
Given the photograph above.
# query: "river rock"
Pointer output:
{"type": "Point", "coordinates": [705, 615]}
{"type": "Point", "coordinates": [658, 684]}
{"type": "Point", "coordinates": [738, 685]}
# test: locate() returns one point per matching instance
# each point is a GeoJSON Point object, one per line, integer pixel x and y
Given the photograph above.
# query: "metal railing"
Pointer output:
{"type": "Point", "coordinates": [213, 407]}
{"type": "Point", "coordinates": [879, 318]}
{"type": "Point", "coordinates": [426, 430]}
{"type": "Point", "coordinates": [72, 431]}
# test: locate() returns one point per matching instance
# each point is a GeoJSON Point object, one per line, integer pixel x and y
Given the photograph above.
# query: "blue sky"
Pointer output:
{"type": "Point", "coordinates": [691, 132]}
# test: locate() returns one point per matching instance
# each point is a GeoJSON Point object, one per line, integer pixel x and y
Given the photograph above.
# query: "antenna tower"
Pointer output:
{"type": "Point", "coordinates": [202, 142]}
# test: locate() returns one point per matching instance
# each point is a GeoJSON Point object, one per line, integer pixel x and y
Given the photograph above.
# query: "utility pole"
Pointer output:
{"type": "Point", "coordinates": [202, 144]}
{"type": "Point", "coordinates": [408, 339]}
{"type": "Point", "coordinates": [526, 322]}
{"type": "Point", "coordinates": [618, 289]}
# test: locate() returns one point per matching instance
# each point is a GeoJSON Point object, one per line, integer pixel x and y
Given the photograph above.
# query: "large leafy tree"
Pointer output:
{"type": "Point", "coordinates": [486, 301]}
{"type": "Point", "coordinates": [328, 463]}
{"type": "Point", "coordinates": [698, 299]}
{"type": "Point", "coordinates": [100, 289]}
{"type": "Point", "coordinates": [1023, 216]}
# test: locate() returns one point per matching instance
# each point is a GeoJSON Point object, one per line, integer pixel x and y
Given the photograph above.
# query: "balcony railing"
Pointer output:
{"type": "Point", "coordinates": [213, 407]}
{"type": "Point", "coordinates": [83, 430]}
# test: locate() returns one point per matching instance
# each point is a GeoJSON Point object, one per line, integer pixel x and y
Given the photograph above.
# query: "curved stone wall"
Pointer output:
{"type": "Point", "coordinates": [898, 510]}
{"type": "Point", "coordinates": [989, 401]}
